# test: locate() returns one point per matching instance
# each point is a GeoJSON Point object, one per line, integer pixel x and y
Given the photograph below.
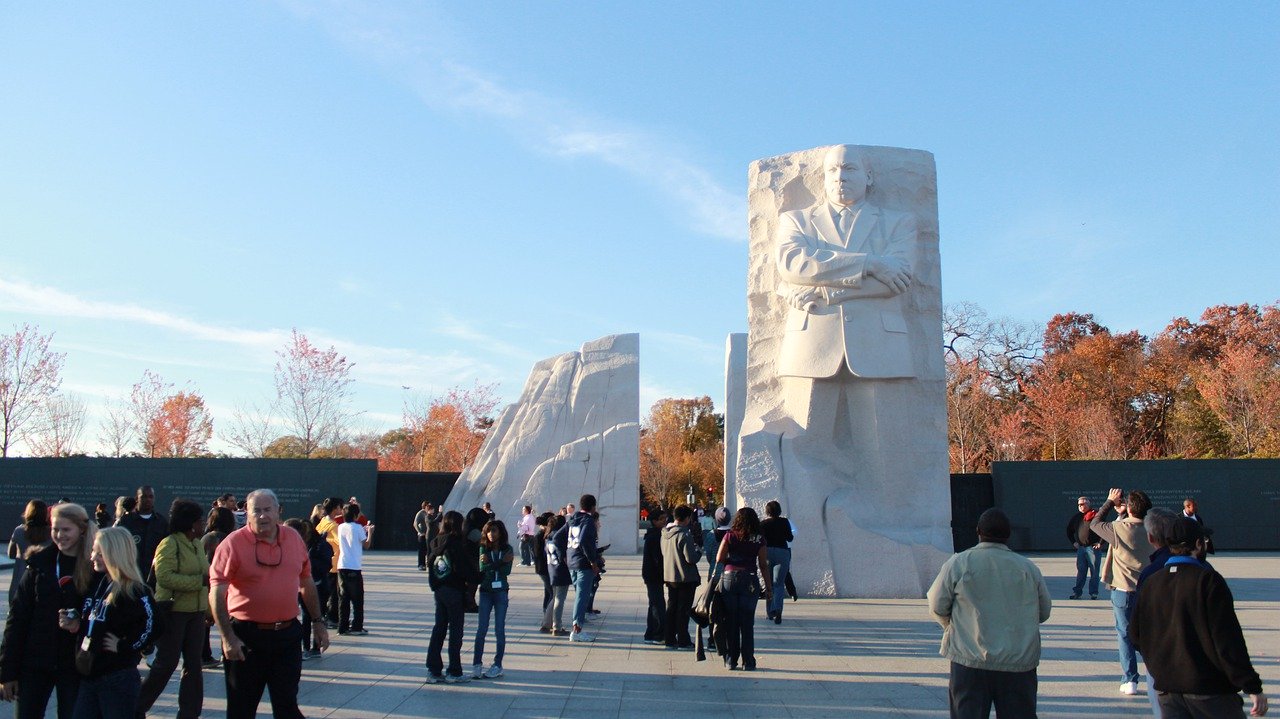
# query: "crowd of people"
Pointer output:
{"type": "Point", "coordinates": [1172, 611]}
{"type": "Point", "coordinates": [93, 594]}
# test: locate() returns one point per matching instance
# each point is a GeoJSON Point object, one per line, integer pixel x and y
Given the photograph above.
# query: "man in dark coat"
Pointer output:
{"type": "Point", "coordinates": [651, 573]}
{"type": "Point", "coordinates": [147, 526]}
{"type": "Point", "coordinates": [1186, 628]}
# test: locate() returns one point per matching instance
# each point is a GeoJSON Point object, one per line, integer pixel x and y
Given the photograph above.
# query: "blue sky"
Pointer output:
{"type": "Point", "coordinates": [450, 192]}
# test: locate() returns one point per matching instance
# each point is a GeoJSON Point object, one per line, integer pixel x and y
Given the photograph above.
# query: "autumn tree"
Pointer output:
{"type": "Point", "coordinates": [30, 375]}
{"type": "Point", "coordinates": [1242, 388]}
{"type": "Point", "coordinates": [445, 432]}
{"type": "Point", "coordinates": [313, 391]}
{"type": "Point", "coordinates": [146, 402]}
{"type": "Point", "coordinates": [60, 424]}
{"type": "Point", "coordinates": [181, 428]}
{"type": "Point", "coordinates": [971, 412]}
{"type": "Point", "coordinates": [681, 446]}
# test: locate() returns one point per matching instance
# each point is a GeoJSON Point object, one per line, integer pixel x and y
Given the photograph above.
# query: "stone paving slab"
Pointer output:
{"type": "Point", "coordinates": [833, 657]}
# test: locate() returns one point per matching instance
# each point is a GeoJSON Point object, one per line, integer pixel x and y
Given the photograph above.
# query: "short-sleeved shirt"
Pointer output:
{"type": "Point", "coordinates": [743, 556]}
{"type": "Point", "coordinates": [262, 578]}
{"type": "Point", "coordinates": [351, 536]}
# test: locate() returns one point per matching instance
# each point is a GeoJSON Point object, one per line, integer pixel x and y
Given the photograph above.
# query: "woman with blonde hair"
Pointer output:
{"type": "Point", "coordinates": [36, 658]}
{"type": "Point", "coordinates": [115, 622]}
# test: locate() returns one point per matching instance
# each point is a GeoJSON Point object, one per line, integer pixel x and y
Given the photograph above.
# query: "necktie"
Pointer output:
{"type": "Point", "coordinates": [846, 222]}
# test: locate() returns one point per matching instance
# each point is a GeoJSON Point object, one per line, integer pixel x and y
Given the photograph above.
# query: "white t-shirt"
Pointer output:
{"type": "Point", "coordinates": [351, 538]}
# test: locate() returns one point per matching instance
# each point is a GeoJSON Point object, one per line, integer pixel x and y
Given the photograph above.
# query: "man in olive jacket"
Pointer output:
{"type": "Point", "coordinates": [990, 603]}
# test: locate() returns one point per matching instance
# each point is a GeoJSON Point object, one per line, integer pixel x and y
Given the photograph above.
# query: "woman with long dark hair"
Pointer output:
{"type": "Point", "coordinates": [220, 522]}
{"type": "Point", "coordinates": [28, 538]}
{"type": "Point", "coordinates": [115, 622]}
{"type": "Point", "coordinates": [556, 549]}
{"type": "Point", "coordinates": [496, 559]}
{"type": "Point", "coordinates": [182, 577]}
{"type": "Point", "coordinates": [744, 558]}
{"type": "Point", "coordinates": [451, 566]}
{"type": "Point", "coordinates": [37, 657]}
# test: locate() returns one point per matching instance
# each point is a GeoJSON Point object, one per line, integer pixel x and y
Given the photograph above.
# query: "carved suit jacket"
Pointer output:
{"type": "Point", "coordinates": [857, 320]}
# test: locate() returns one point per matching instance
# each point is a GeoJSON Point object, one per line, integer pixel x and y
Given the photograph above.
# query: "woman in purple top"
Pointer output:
{"type": "Point", "coordinates": [742, 552]}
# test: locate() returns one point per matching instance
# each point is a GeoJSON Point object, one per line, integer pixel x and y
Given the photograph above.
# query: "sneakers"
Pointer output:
{"type": "Point", "coordinates": [654, 641]}
{"type": "Point", "coordinates": [1093, 596]}
{"type": "Point", "coordinates": [1074, 596]}
{"type": "Point", "coordinates": [1130, 688]}
{"type": "Point", "coordinates": [559, 632]}
{"type": "Point", "coordinates": [577, 635]}
{"type": "Point", "coordinates": [545, 630]}
{"type": "Point", "coordinates": [434, 678]}
{"type": "Point", "coordinates": [309, 654]}
{"type": "Point", "coordinates": [359, 632]}
{"type": "Point", "coordinates": [493, 672]}
{"type": "Point", "coordinates": [212, 664]}
{"type": "Point", "coordinates": [477, 671]}
{"type": "Point", "coordinates": [460, 679]}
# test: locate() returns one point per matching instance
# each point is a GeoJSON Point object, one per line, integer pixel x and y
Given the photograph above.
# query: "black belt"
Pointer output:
{"type": "Point", "coordinates": [267, 626]}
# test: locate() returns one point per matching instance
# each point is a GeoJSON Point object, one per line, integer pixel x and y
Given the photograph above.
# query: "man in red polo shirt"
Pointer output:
{"type": "Point", "coordinates": [254, 582]}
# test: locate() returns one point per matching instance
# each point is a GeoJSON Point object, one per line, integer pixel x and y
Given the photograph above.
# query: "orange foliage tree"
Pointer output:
{"type": "Point", "coordinates": [181, 428]}
{"type": "Point", "coordinates": [681, 446]}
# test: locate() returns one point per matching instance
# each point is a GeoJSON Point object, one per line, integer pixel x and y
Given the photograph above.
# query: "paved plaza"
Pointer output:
{"type": "Point", "coordinates": [833, 657]}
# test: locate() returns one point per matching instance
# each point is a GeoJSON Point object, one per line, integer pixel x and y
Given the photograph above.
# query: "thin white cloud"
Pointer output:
{"type": "Point", "coordinates": [374, 364]}
{"type": "Point", "coordinates": [19, 296]}
{"type": "Point", "coordinates": [418, 51]}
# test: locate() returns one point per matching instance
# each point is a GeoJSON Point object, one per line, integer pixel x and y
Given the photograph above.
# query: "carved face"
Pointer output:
{"type": "Point", "coordinates": [845, 176]}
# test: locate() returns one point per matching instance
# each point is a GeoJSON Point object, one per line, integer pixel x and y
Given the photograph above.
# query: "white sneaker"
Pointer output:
{"type": "Point", "coordinates": [1130, 688]}
{"type": "Point", "coordinates": [460, 679]}
{"type": "Point", "coordinates": [477, 671]}
{"type": "Point", "coordinates": [580, 636]}
{"type": "Point", "coordinates": [493, 672]}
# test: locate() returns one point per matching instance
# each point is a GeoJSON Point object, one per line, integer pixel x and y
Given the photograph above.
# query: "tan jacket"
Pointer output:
{"type": "Point", "coordinates": [990, 602]}
{"type": "Point", "coordinates": [1128, 553]}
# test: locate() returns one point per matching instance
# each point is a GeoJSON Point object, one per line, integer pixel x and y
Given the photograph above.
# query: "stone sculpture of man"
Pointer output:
{"type": "Point", "coordinates": [845, 269]}
{"type": "Point", "coordinates": [845, 264]}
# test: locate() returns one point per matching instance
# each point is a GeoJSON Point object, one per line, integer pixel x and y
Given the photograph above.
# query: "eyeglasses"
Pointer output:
{"type": "Point", "coordinates": [257, 554]}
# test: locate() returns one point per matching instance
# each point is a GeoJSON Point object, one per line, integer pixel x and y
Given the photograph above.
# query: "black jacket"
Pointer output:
{"type": "Point", "coordinates": [539, 552]}
{"type": "Point", "coordinates": [464, 563]}
{"type": "Point", "coordinates": [1078, 527]}
{"type": "Point", "coordinates": [651, 567]}
{"type": "Point", "coordinates": [131, 619]}
{"type": "Point", "coordinates": [147, 534]}
{"type": "Point", "coordinates": [32, 638]}
{"type": "Point", "coordinates": [1186, 628]}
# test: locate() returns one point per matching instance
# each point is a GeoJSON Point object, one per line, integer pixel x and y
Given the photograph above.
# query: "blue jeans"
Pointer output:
{"type": "Point", "coordinates": [1088, 560]}
{"type": "Point", "coordinates": [1120, 602]}
{"type": "Point", "coordinates": [583, 586]}
{"type": "Point", "coordinates": [779, 565]}
{"type": "Point", "coordinates": [497, 601]}
{"type": "Point", "coordinates": [449, 619]}
{"type": "Point", "coordinates": [111, 696]}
